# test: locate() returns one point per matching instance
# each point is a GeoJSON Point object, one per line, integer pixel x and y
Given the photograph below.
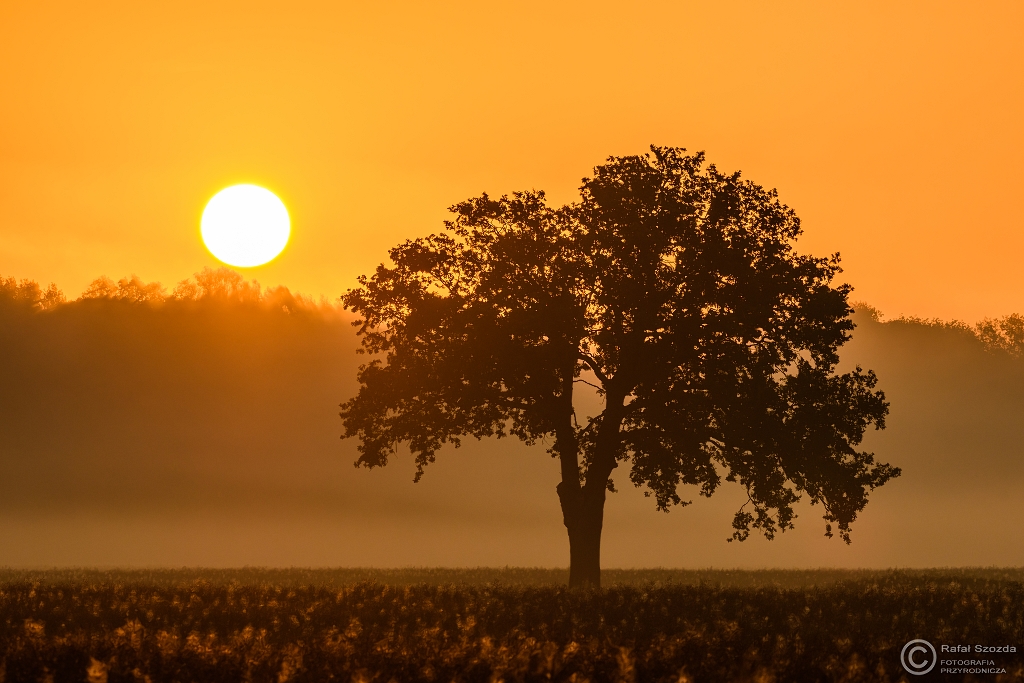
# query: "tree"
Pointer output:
{"type": "Point", "coordinates": [28, 296]}
{"type": "Point", "coordinates": [1006, 333]}
{"type": "Point", "coordinates": [670, 287]}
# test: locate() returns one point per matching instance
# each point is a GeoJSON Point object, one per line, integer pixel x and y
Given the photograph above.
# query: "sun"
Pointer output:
{"type": "Point", "coordinates": [245, 225]}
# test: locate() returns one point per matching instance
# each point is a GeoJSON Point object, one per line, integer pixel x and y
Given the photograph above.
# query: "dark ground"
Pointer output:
{"type": "Point", "coordinates": [497, 625]}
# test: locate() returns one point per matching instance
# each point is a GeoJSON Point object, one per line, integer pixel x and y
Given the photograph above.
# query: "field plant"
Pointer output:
{"type": "Point", "coordinates": [492, 625]}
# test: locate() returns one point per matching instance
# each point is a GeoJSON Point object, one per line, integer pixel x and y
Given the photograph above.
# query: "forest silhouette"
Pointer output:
{"type": "Point", "coordinates": [209, 421]}
{"type": "Point", "coordinates": [203, 430]}
{"type": "Point", "coordinates": [142, 385]}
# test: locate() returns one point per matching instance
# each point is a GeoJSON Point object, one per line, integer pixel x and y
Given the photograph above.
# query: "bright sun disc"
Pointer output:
{"type": "Point", "coordinates": [245, 225]}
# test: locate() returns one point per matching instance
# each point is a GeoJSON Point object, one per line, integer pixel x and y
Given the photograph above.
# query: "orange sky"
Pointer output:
{"type": "Point", "coordinates": [894, 131]}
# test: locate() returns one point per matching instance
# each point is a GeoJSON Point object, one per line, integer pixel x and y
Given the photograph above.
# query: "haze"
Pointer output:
{"type": "Point", "coordinates": [894, 131]}
{"type": "Point", "coordinates": [206, 433]}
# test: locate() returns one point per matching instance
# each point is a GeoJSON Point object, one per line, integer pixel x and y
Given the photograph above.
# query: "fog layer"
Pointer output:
{"type": "Point", "coordinates": [204, 431]}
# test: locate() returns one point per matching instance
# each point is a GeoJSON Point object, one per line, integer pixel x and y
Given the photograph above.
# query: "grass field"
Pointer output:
{"type": "Point", "coordinates": [442, 625]}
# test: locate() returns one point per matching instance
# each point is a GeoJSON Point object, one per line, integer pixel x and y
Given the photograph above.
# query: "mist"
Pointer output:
{"type": "Point", "coordinates": [201, 428]}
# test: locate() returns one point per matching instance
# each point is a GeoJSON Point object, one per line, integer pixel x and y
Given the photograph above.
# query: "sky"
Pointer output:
{"type": "Point", "coordinates": [893, 129]}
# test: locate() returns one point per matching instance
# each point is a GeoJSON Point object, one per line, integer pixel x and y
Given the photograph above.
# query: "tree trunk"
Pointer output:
{"type": "Point", "coordinates": [583, 506]}
{"type": "Point", "coordinates": [583, 514]}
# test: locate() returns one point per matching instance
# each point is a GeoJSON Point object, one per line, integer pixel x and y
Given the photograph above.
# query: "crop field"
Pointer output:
{"type": "Point", "coordinates": [496, 625]}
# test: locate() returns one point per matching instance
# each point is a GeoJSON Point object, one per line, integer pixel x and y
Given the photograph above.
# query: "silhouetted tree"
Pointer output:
{"type": "Point", "coordinates": [27, 295]}
{"type": "Point", "coordinates": [1006, 333]}
{"type": "Point", "coordinates": [131, 289]}
{"type": "Point", "coordinates": [221, 284]}
{"type": "Point", "coordinates": [670, 287]}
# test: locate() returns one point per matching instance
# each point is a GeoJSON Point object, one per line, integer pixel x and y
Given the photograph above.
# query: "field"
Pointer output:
{"type": "Point", "coordinates": [496, 625]}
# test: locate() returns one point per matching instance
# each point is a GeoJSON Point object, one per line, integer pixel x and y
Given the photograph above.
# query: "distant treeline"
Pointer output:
{"type": "Point", "coordinates": [1003, 334]}
{"type": "Point", "coordinates": [131, 394]}
{"type": "Point", "coordinates": [198, 424]}
{"type": "Point", "coordinates": [214, 285]}
{"type": "Point", "coordinates": [225, 285]}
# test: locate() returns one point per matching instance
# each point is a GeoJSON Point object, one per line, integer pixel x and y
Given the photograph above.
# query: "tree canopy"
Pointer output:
{"type": "Point", "coordinates": [671, 287]}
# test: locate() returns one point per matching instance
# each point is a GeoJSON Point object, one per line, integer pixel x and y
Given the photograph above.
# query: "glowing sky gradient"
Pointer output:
{"type": "Point", "coordinates": [894, 131]}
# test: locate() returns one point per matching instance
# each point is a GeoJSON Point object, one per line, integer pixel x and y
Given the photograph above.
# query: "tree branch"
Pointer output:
{"type": "Point", "coordinates": [589, 384]}
{"type": "Point", "coordinates": [594, 367]}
